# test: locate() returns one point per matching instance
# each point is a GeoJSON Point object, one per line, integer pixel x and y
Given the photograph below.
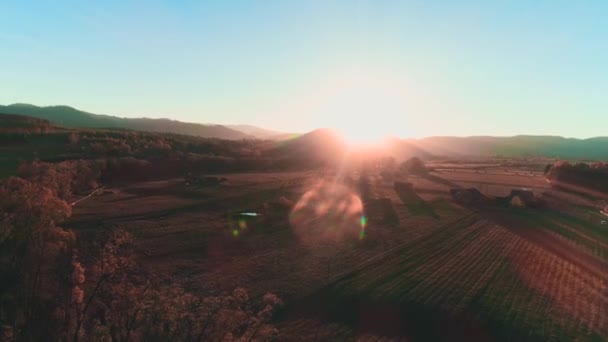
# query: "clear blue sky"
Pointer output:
{"type": "Point", "coordinates": [410, 68]}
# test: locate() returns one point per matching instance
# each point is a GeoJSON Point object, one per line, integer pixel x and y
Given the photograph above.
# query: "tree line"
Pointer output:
{"type": "Point", "coordinates": [588, 175]}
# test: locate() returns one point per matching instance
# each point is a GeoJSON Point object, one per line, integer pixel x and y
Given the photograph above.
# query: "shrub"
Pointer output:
{"type": "Point", "coordinates": [414, 165]}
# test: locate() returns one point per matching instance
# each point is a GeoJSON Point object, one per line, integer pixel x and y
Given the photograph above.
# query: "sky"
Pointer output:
{"type": "Point", "coordinates": [367, 68]}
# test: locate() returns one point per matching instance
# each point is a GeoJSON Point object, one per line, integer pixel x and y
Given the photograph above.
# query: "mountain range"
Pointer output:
{"type": "Point", "coordinates": [66, 116]}
{"type": "Point", "coordinates": [327, 142]}
{"type": "Point", "coordinates": [517, 146]}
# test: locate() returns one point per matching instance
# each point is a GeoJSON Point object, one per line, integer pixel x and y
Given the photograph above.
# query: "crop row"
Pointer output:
{"type": "Point", "coordinates": [501, 278]}
{"type": "Point", "coordinates": [580, 294]}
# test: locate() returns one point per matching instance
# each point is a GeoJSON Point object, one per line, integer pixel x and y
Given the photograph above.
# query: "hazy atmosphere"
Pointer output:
{"type": "Point", "coordinates": [280, 171]}
{"type": "Point", "coordinates": [372, 68]}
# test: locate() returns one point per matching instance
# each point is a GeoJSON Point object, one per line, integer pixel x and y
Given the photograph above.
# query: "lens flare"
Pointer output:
{"type": "Point", "coordinates": [250, 214]}
{"type": "Point", "coordinates": [328, 212]}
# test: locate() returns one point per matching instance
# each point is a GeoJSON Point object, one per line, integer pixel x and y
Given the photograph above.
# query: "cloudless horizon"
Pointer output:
{"type": "Point", "coordinates": [367, 68]}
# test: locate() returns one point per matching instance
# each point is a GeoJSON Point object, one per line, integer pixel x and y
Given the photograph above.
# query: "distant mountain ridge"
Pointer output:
{"type": "Point", "coordinates": [517, 146]}
{"type": "Point", "coordinates": [327, 143]}
{"type": "Point", "coordinates": [71, 117]}
{"type": "Point", "coordinates": [258, 132]}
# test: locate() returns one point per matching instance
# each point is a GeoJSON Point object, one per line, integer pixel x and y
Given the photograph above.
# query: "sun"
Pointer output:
{"type": "Point", "coordinates": [361, 135]}
{"type": "Point", "coordinates": [366, 107]}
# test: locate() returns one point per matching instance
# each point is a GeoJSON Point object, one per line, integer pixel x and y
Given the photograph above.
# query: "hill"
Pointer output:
{"type": "Point", "coordinates": [516, 146]}
{"type": "Point", "coordinates": [326, 144]}
{"type": "Point", "coordinates": [320, 146]}
{"type": "Point", "coordinates": [260, 133]}
{"type": "Point", "coordinates": [66, 116]}
{"type": "Point", "coordinates": [10, 123]}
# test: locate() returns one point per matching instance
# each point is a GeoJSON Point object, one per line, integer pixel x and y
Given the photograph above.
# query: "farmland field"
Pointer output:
{"type": "Point", "coordinates": [445, 272]}
{"type": "Point", "coordinates": [474, 278]}
{"type": "Point", "coordinates": [188, 233]}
